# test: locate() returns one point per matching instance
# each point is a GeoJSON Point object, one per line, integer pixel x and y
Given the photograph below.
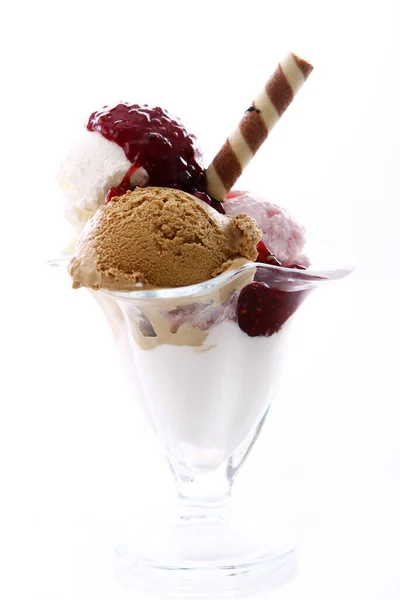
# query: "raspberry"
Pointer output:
{"type": "Point", "coordinates": [261, 311]}
{"type": "Point", "coordinates": [153, 139]}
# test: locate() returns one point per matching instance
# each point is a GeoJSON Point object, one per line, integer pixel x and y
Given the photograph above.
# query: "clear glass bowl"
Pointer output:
{"type": "Point", "coordinates": [206, 386]}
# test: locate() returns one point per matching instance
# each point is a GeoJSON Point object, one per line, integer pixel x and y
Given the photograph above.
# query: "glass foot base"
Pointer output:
{"type": "Point", "coordinates": [195, 555]}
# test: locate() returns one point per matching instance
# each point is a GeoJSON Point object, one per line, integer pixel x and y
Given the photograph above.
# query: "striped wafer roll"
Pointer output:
{"type": "Point", "coordinates": [256, 124]}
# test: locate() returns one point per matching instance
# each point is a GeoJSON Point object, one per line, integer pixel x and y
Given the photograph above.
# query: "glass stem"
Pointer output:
{"type": "Point", "coordinates": [203, 491]}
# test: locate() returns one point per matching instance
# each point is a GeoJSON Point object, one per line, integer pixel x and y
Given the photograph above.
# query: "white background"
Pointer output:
{"type": "Point", "coordinates": [73, 454]}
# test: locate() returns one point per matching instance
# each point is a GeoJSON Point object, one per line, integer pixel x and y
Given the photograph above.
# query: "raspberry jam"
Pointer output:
{"type": "Point", "coordinates": [151, 138]}
{"type": "Point", "coordinates": [124, 186]}
{"type": "Point", "coordinates": [265, 255]}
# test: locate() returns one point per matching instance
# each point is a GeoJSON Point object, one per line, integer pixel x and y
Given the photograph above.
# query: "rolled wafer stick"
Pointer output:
{"type": "Point", "coordinates": [255, 125]}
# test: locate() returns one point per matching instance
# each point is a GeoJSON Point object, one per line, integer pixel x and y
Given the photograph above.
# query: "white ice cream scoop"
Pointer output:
{"type": "Point", "coordinates": [91, 168]}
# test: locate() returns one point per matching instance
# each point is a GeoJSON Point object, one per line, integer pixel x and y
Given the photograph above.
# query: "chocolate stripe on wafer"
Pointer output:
{"type": "Point", "coordinates": [279, 91]}
{"type": "Point", "coordinates": [227, 165]}
{"type": "Point", "coordinates": [303, 65]}
{"type": "Point", "coordinates": [253, 129]}
{"type": "Point", "coordinates": [256, 124]}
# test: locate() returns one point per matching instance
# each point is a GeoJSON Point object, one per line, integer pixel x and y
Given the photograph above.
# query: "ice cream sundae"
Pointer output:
{"type": "Point", "coordinates": [199, 280]}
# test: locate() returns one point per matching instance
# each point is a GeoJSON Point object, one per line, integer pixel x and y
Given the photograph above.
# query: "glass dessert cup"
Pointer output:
{"type": "Point", "coordinates": [205, 386]}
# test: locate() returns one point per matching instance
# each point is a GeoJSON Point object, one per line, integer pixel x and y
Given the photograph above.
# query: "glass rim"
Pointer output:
{"type": "Point", "coordinates": [294, 275]}
{"type": "Point", "coordinates": [303, 275]}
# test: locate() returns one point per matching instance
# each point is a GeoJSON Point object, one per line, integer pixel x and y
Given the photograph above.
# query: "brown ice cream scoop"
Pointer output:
{"type": "Point", "coordinates": [159, 237]}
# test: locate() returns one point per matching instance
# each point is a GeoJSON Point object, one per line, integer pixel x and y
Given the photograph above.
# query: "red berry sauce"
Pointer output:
{"type": "Point", "coordinates": [124, 186]}
{"type": "Point", "coordinates": [266, 256]}
{"type": "Point", "coordinates": [210, 201]}
{"type": "Point", "coordinates": [151, 138]}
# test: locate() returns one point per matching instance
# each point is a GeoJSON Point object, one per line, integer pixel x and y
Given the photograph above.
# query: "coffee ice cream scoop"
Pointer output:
{"type": "Point", "coordinates": [159, 237]}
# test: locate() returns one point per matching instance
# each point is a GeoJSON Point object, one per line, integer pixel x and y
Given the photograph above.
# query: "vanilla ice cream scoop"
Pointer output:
{"type": "Point", "coordinates": [91, 168]}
